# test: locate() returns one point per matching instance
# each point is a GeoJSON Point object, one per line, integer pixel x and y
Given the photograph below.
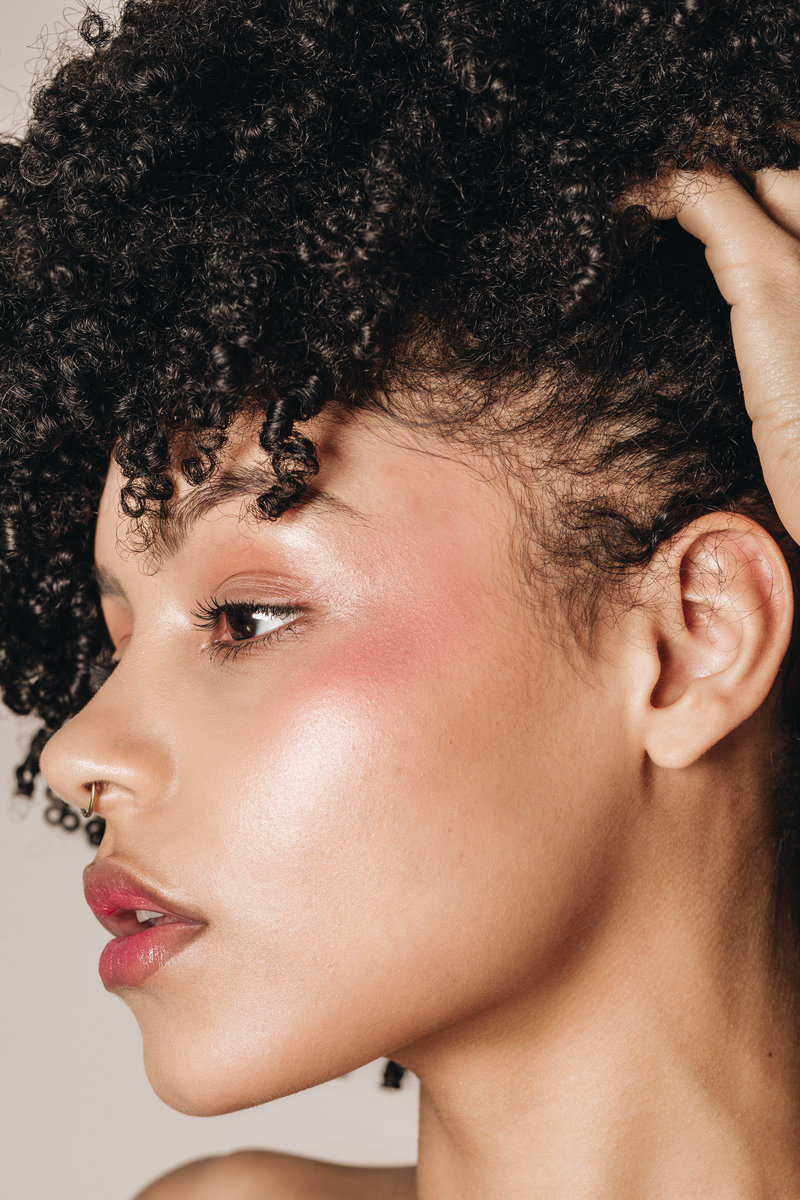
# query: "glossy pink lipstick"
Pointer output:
{"type": "Point", "coordinates": [149, 929]}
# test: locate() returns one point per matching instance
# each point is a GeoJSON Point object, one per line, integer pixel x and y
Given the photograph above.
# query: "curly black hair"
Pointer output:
{"type": "Point", "coordinates": [412, 205]}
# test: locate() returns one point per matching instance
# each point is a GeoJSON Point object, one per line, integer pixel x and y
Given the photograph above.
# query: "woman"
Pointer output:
{"type": "Point", "coordinates": [368, 412]}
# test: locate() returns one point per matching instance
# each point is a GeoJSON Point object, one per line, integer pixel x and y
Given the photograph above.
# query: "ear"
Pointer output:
{"type": "Point", "coordinates": [721, 610]}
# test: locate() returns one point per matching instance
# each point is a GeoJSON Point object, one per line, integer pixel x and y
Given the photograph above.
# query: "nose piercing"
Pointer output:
{"type": "Point", "coordinates": [87, 812]}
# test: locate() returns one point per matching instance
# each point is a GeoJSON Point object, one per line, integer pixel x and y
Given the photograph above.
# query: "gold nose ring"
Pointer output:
{"type": "Point", "coordinates": [87, 812]}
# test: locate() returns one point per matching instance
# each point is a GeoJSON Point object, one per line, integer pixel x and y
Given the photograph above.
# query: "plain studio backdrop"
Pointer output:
{"type": "Point", "coordinates": [79, 1121]}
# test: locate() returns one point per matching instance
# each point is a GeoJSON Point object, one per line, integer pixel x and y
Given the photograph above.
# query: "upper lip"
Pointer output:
{"type": "Point", "coordinates": [114, 893]}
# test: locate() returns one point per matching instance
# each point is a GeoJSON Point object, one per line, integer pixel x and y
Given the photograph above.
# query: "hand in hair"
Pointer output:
{"type": "Point", "coordinates": [753, 248]}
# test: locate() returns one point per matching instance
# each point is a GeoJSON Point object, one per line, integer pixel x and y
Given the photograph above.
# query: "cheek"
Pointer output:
{"type": "Point", "coordinates": [342, 762]}
{"type": "Point", "coordinates": [390, 776]}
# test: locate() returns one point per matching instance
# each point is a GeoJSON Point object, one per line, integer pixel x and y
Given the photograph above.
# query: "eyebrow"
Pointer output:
{"type": "Point", "coordinates": [241, 483]}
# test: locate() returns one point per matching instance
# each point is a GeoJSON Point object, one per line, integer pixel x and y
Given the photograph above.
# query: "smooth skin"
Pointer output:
{"type": "Point", "coordinates": [543, 882]}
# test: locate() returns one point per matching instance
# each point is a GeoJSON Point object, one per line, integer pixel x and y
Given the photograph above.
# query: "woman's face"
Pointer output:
{"type": "Point", "coordinates": [393, 816]}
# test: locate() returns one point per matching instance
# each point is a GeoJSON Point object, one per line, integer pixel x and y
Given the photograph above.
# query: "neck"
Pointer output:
{"type": "Point", "coordinates": [666, 1064]}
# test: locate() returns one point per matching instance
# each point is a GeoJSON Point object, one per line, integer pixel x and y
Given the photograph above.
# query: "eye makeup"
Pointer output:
{"type": "Point", "coordinates": [241, 616]}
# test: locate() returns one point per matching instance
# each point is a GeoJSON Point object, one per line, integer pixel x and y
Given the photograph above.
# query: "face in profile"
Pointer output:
{"type": "Point", "coordinates": [353, 746]}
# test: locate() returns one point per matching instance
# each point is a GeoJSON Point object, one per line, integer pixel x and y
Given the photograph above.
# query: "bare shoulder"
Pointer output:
{"type": "Point", "coordinates": [266, 1175]}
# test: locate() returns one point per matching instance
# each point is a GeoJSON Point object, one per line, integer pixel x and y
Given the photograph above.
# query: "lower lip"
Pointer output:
{"type": "Point", "coordinates": [129, 961]}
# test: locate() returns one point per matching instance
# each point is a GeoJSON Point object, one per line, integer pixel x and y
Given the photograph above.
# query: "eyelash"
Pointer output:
{"type": "Point", "coordinates": [208, 613]}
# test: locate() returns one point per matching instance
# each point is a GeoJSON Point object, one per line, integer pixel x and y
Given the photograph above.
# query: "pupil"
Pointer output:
{"type": "Point", "coordinates": [241, 622]}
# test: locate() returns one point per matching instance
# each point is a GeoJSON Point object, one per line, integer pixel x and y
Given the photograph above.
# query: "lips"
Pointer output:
{"type": "Point", "coordinates": [138, 949]}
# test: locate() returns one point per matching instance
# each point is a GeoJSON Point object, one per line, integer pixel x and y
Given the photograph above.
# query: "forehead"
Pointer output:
{"type": "Point", "coordinates": [374, 473]}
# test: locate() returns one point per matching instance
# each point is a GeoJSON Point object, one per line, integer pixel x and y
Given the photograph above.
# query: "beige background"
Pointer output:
{"type": "Point", "coordinates": [78, 1119]}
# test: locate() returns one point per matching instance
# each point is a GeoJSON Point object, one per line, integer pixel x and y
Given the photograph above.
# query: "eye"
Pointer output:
{"type": "Point", "coordinates": [250, 624]}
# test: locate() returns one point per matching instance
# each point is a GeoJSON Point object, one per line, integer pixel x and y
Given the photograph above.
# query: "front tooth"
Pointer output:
{"type": "Point", "coordinates": [144, 914]}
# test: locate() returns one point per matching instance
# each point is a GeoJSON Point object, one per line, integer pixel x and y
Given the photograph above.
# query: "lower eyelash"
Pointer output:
{"type": "Point", "coordinates": [247, 645]}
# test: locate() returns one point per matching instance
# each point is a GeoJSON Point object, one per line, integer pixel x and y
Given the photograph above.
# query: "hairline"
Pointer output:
{"type": "Point", "coordinates": [170, 531]}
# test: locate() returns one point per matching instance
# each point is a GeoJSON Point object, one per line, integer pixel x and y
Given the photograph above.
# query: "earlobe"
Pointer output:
{"type": "Point", "coordinates": [722, 606]}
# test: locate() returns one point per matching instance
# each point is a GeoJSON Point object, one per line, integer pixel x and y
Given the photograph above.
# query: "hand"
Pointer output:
{"type": "Point", "coordinates": [753, 248]}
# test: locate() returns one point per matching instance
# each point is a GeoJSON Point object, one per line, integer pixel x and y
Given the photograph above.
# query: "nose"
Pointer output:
{"type": "Point", "coordinates": [114, 743]}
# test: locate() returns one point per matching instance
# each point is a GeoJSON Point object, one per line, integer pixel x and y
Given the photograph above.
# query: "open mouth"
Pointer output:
{"type": "Point", "coordinates": [146, 934]}
{"type": "Point", "coordinates": [123, 922]}
{"type": "Point", "coordinates": [148, 919]}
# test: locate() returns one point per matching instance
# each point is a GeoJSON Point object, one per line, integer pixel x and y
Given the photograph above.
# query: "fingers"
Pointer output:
{"type": "Point", "coordinates": [745, 247]}
{"type": "Point", "coordinates": [756, 263]}
{"type": "Point", "coordinates": [779, 451]}
{"type": "Point", "coordinates": [753, 248]}
{"type": "Point", "coordinates": [778, 193]}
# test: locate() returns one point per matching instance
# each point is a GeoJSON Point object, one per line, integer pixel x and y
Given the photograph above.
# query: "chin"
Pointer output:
{"type": "Point", "coordinates": [198, 1093]}
{"type": "Point", "coordinates": [202, 1080]}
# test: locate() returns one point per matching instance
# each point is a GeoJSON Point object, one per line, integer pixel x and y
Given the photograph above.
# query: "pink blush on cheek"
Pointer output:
{"type": "Point", "coordinates": [366, 711]}
{"type": "Point", "coordinates": [401, 645]}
